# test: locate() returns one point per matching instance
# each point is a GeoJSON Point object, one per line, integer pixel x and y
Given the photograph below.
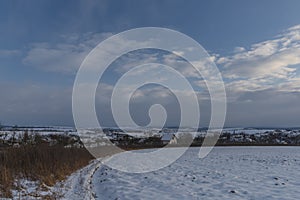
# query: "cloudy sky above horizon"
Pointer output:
{"type": "Point", "coordinates": [255, 45]}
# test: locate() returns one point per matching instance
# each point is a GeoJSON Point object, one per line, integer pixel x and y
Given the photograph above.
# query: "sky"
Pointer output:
{"type": "Point", "coordinates": [255, 45]}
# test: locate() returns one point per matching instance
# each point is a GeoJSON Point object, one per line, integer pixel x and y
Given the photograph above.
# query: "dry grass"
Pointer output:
{"type": "Point", "coordinates": [48, 164]}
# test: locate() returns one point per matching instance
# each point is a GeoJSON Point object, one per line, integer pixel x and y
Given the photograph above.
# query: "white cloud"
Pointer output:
{"type": "Point", "coordinates": [65, 56]}
{"type": "Point", "coordinates": [54, 59]}
{"type": "Point", "coordinates": [239, 49]}
{"type": "Point", "coordinates": [35, 104]}
{"type": "Point", "coordinates": [9, 53]}
{"type": "Point", "coordinates": [277, 65]}
{"type": "Point", "coordinates": [131, 60]}
{"type": "Point", "coordinates": [266, 64]}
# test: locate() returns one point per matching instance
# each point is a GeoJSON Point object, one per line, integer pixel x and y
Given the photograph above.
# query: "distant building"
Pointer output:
{"type": "Point", "coordinates": [168, 138]}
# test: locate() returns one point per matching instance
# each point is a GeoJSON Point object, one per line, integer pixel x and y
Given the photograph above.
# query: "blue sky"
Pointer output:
{"type": "Point", "coordinates": [255, 44]}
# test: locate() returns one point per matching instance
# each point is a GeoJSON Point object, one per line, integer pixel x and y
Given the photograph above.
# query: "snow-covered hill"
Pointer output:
{"type": "Point", "coordinates": [13, 136]}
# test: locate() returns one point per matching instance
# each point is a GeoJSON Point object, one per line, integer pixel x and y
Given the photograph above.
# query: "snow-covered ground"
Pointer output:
{"type": "Point", "coordinates": [76, 186]}
{"type": "Point", "coordinates": [247, 130]}
{"type": "Point", "coordinates": [226, 173]}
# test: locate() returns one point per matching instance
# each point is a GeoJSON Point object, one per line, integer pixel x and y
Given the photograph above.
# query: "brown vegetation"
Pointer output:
{"type": "Point", "coordinates": [47, 164]}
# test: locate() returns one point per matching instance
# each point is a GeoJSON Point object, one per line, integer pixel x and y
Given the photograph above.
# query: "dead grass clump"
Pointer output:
{"type": "Point", "coordinates": [47, 164]}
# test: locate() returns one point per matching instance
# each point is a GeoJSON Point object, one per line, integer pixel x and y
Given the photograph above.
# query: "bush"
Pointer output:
{"type": "Point", "coordinates": [42, 162]}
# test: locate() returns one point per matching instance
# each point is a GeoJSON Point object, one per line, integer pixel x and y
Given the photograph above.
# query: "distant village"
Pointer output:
{"type": "Point", "coordinates": [150, 138]}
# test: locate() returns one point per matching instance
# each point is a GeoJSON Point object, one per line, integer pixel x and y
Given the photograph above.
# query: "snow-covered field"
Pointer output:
{"type": "Point", "coordinates": [76, 186]}
{"type": "Point", "coordinates": [226, 173]}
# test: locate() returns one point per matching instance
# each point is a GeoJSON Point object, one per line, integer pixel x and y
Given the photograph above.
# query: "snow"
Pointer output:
{"type": "Point", "coordinates": [246, 131]}
{"type": "Point", "coordinates": [78, 185]}
{"type": "Point", "coordinates": [29, 189]}
{"type": "Point", "coordinates": [226, 173]}
{"type": "Point", "coordinates": [167, 136]}
{"type": "Point", "coordinates": [7, 135]}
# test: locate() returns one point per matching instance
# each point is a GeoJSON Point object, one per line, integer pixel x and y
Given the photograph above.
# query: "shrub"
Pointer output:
{"type": "Point", "coordinates": [42, 162]}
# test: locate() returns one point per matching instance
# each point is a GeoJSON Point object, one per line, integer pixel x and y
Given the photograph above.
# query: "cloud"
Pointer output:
{"type": "Point", "coordinates": [9, 53]}
{"type": "Point", "coordinates": [25, 104]}
{"type": "Point", "coordinates": [263, 82]}
{"type": "Point", "coordinates": [54, 59]}
{"type": "Point", "coordinates": [277, 65]}
{"type": "Point", "coordinates": [63, 57]}
{"type": "Point", "coordinates": [270, 63]}
{"type": "Point", "coordinates": [262, 79]}
{"type": "Point", "coordinates": [264, 108]}
{"type": "Point", "coordinates": [239, 49]}
{"type": "Point", "coordinates": [134, 59]}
